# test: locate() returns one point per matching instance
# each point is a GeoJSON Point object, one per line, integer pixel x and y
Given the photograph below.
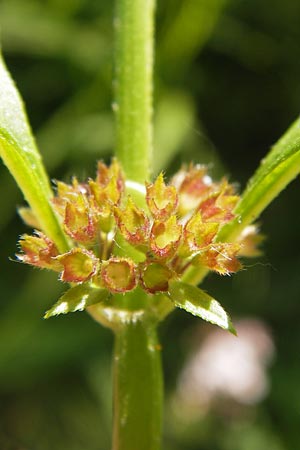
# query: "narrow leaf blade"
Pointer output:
{"type": "Point", "coordinates": [200, 304]}
{"type": "Point", "coordinates": [77, 298]}
{"type": "Point", "coordinates": [19, 153]}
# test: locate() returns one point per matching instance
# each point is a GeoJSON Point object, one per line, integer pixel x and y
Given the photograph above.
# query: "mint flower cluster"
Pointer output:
{"type": "Point", "coordinates": [117, 245]}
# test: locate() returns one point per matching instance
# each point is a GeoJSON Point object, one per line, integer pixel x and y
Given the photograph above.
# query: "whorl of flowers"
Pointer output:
{"type": "Point", "coordinates": [176, 229]}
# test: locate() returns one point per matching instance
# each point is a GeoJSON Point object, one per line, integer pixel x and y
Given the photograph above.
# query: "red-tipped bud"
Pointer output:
{"type": "Point", "coordinates": [39, 251]}
{"type": "Point", "coordinates": [218, 207]}
{"type": "Point", "coordinates": [67, 193]}
{"type": "Point", "coordinates": [105, 173]}
{"type": "Point", "coordinates": [220, 257]}
{"type": "Point", "coordinates": [80, 221]}
{"type": "Point", "coordinates": [79, 265]}
{"type": "Point", "coordinates": [198, 234]}
{"type": "Point", "coordinates": [119, 274]}
{"type": "Point", "coordinates": [108, 194]}
{"type": "Point", "coordinates": [193, 185]}
{"type": "Point", "coordinates": [165, 237]}
{"type": "Point", "coordinates": [155, 277]}
{"type": "Point", "coordinates": [133, 223]}
{"type": "Point", "coordinates": [110, 180]}
{"type": "Point", "coordinates": [162, 200]}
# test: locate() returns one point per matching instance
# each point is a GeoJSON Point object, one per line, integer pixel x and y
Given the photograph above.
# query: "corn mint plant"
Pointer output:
{"type": "Point", "coordinates": [133, 248]}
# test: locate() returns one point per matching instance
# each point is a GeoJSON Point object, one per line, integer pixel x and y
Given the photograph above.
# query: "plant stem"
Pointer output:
{"type": "Point", "coordinates": [137, 363]}
{"type": "Point", "coordinates": [133, 86]}
{"type": "Point", "coordinates": [137, 387]}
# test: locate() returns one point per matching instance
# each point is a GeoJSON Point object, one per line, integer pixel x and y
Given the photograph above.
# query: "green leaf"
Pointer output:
{"type": "Point", "coordinates": [19, 153]}
{"type": "Point", "coordinates": [275, 172]}
{"type": "Point", "coordinates": [197, 302]}
{"type": "Point", "coordinates": [77, 299]}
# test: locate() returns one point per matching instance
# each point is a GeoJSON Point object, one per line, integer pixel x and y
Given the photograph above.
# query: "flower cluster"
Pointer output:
{"type": "Point", "coordinates": [175, 229]}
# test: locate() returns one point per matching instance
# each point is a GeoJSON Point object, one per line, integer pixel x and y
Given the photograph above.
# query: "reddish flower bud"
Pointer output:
{"type": "Point", "coordinates": [220, 257]}
{"type": "Point", "coordinates": [162, 200]}
{"type": "Point", "coordinates": [110, 179]}
{"type": "Point", "coordinates": [133, 223]}
{"type": "Point", "coordinates": [218, 207]}
{"type": "Point", "coordinates": [155, 277]}
{"type": "Point", "coordinates": [105, 173]}
{"type": "Point", "coordinates": [199, 234]}
{"type": "Point", "coordinates": [108, 194]}
{"type": "Point", "coordinates": [80, 221]}
{"type": "Point", "coordinates": [193, 185]}
{"type": "Point", "coordinates": [79, 265]}
{"type": "Point", "coordinates": [39, 251]}
{"type": "Point", "coordinates": [165, 237]}
{"type": "Point", "coordinates": [119, 274]}
{"type": "Point", "coordinates": [67, 193]}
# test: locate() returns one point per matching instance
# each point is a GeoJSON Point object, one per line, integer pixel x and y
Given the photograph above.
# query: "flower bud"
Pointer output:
{"type": "Point", "coordinates": [218, 207]}
{"type": "Point", "coordinates": [198, 234]}
{"type": "Point", "coordinates": [155, 277]}
{"type": "Point", "coordinates": [162, 200]}
{"type": "Point", "coordinates": [39, 251]}
{"type": "Point", "coordinates": [79, 265]}
{"type": "Point", "coordinates": [165, 237]}
{"type": "Point", "coordinates": [193, 185]}
{"type": "Point", "coordinates": [220, 257]}
{"type": "Point", "coordinates": [110, 182]}
{"type": "Point", "coordinates": [119, 274]}
{"type": "Point", "coordinates": [80, 221]}
{"type": "Point", "coordinates": [133, 223]}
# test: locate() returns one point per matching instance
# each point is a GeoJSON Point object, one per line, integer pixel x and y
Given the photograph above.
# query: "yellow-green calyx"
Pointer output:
{"type": "Point", "coordinates": [177, 228]}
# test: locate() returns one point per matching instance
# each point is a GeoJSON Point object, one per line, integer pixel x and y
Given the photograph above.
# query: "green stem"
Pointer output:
{"type": "Point", "coordinates": [137, 387]}
{"type": "Point", "coordinates": [133, 86]}
{"type": "Point", "coordinates": [137, 363]}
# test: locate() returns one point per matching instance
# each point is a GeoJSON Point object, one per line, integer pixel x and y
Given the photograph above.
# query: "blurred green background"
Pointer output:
{"type": "Point", "coordinates": [227, 85]}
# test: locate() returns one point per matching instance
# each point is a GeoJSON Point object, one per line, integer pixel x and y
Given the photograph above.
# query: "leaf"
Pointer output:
{"type": "Point", "coordinates": [200, 304]}
{"type": "Point", "coordinates": [275, 172]}
{"type": "Point", "coordinates": [19, 153]}
{"type": "Point", "coordinates": [77, 299]}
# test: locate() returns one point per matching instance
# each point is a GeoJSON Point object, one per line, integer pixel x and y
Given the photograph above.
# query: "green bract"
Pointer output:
{"type": "Point", "coordinates": [199, 303]}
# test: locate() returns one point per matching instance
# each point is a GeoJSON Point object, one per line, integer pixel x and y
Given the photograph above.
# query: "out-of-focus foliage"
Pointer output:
{"type": "Point", "coordinates": [227, 86]}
